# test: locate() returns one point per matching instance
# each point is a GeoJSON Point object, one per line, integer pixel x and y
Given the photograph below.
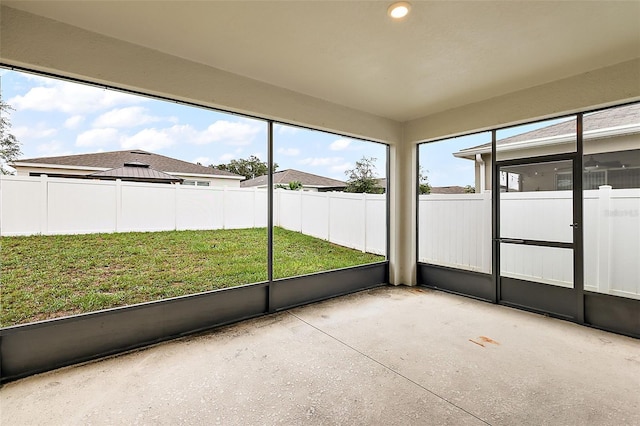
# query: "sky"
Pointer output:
{"type": "Point", "coordinates": [54, 117]}
{"type": "Point", "coordinates": [443, 169]}
{"type": "Point", "coordinates": [439, 165]}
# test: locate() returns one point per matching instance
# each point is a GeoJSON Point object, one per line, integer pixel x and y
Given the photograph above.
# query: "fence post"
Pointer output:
{"type": "Point", "coordinates": [175, 205]}
{"type": "Point", "coordinates": [328, 198]}
{"type": "Point", "coordinates": [604, 238]}
{"type": "Point", "coordinates": [255, 204]}
{"type": "Point", "coordinates": [118, 205]}
{"type": "Point", "coordinates": [224, 207]}
{"type": "Point", "coordinates": [300, 207]}
{"type": "Point", "coordinates": [44, 204]}
{"type": "Point", "coordinates": [276, 207]}
{"type": "Point", "coordinates": [486, 247]}
{"type": "Point", "coordinates": [364, 222]}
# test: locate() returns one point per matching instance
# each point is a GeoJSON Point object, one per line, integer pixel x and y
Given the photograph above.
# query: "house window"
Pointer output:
{"type": "Point", "coordinates": [624, 178]}
{"type": "Point", "coordinates": [510, 182]}
{"type": "Point", "coordinates": [196, 182]}
{"type": "Point", "coordinates": [564, 181]}
{"type": "Point", "coordinates": [593, 180]}
{"type": "Point", "coordinates": [617, 178]}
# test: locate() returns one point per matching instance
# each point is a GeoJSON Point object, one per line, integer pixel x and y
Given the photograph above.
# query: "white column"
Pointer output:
{"type": "Point", "coordinates": [402, 256]}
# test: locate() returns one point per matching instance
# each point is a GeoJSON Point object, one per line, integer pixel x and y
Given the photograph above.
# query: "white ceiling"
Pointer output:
{"type": "Point", "coordinates": [443, 55]}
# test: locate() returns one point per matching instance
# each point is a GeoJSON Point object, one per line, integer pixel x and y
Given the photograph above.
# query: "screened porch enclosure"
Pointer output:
{"type": "Point", "coordinates": [336, 68]}
{"type": "Point", "coordinates": [559, 229]}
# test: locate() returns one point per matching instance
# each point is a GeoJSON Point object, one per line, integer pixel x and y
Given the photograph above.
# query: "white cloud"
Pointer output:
{"type": "Point", "coordinates": [205, 161]}
{"type": "Point", "coordinates": [98, 137]}
{"type": "Point", "coordinates": [125, 117]}
{"type": "Point", "coordinates": [321, 161]}
{"type": "Point", "coordinates": [227, 132]}
{"type": "Point", "coordinates": [73, 121]}
{"type": "Point", "coordinates": [225, 158]}
{"type": "Point", "coordinates": [150, 139]}
{"type": "Point", "coordinates": [341, 168]}
{"type": "Point", "coordinates": [286, 130]}
{"type": "Point", "coordinates": [39, 78]}
{"type": "Point", "coordinates": [156, 139]}
{"type": "Point", "coordinates": [37, 132]}
{"type": "Point", "coordinates": [340, 145]}
{"type": "Point", "coordinates": [71, 98]}
{"type": "Point", "coordinates": [290, 152]}
{"type": "Point", "coordinates": [52, 149]}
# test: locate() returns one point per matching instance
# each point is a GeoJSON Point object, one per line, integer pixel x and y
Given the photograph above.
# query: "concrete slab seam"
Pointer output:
{"type": "Point", "coordinates": [388, 368]}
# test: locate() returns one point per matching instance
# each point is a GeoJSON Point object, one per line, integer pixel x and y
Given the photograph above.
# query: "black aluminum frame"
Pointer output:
{"type": "Point", "coordinates": [42, 346]}
{"type": "Point", "coordinates": [552, 300]}
{"type": "Point", "coordinates": [38, 347]}
{"type": "Point", "coordinates": [607, 312]}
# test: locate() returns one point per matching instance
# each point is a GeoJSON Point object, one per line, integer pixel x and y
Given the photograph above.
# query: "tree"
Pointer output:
{"type": "Point", "coordinates": [362, 178]}
{"type": "Point", "coordinates": [294, 185]}
{"type": "Point", "coordinates": [9, 145]}
{"type": "Point", "coordinates": [250, 168]}
{"type": "Point", "coordinates": [423, 182]}
{"type": "Point", "coordinates": [469, 189]}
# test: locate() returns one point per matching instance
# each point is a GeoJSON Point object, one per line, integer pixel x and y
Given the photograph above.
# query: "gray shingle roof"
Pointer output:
{"type": "Point", "coordinates": [605, 119]}
{"type": "Point", "coordinates": [290, 175]}
{"type": "Point", "coordinates": [116, 159]}
{"type": "Point", "coordinates": [138, 172]}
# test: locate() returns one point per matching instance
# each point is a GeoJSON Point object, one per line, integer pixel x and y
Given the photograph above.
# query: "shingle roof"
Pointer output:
{"type": "Point", "coordinates": [137, 171]}
{"type": "Point", "coordinates": [605, 119]}
{"type": "Point", "coordinates": [447, 190]}
{"type": "Point", "coordinates": [381, 182]}
{"type": "Point", "coordinates": [116, 159]}
{"type": "Point", "coordinates": [291, 175]}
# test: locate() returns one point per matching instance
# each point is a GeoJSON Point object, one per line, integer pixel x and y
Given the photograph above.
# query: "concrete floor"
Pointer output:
{"type": "Point", "coordinates": [382, 357]}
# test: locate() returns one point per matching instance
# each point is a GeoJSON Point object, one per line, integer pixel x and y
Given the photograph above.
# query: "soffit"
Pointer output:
{"type": "Point", "coordinates": [444, 55]}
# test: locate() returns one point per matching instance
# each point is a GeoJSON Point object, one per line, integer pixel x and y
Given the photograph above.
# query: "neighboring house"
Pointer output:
{"type": "Point", "coordinates": [129, 165]}
{"type": "Point", "coordinates": [310, 182]}
{"type": "Point", "coordinates": [382, 183]}
{"type": "Point", "coordinates": [448, 190]}
{"type": "Point", "coordinates": [135, 172]}
{"type": "Point", "coordinates": [611, 149]}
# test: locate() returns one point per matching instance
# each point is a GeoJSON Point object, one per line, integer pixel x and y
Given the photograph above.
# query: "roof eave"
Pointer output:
{"type": "Point", "coordinates": [203, 175]}
{"type": "Point", "coordinates": [57, 166]}
{"type": "Point", "coordinates": [553, 140]}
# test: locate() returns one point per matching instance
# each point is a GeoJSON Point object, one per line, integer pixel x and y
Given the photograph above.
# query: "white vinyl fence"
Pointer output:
{"type": "Point", "coordinates": [49, 206]}
{"type": "Point", "coordinates": [455, 231]}
{"type": "Point", "coordinates": [352, 220]}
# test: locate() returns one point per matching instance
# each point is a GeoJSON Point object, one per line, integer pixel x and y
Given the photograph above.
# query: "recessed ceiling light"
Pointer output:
{"type": "Point", "coordinates": [399, 9]}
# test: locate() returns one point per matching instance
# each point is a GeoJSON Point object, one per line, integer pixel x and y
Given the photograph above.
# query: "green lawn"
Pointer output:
{"type": "Point", "coordinates": [46, 277]}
